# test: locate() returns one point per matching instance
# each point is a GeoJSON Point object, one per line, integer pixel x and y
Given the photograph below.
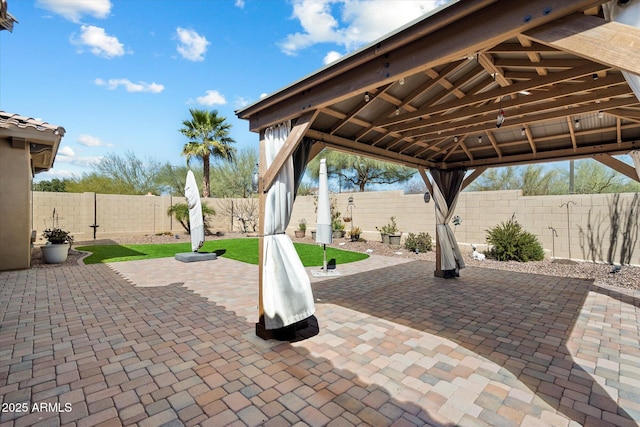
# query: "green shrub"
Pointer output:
{"type": "Point", "coordinates": [181, 212]}
{"type": "Point", "coordinates": [418, 243]}
{"type": "Point", "coordinates": [509, 242]}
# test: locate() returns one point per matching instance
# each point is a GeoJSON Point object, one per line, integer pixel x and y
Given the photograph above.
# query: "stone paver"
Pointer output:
{"type": "Point", "coordinates": [162, 342]}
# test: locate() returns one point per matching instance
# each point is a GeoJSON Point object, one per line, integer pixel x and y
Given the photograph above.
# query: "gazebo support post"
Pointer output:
{"type": "Point", "coordinates": [261, 330]}
{"type": "Point", "coordinates": [438, 271]}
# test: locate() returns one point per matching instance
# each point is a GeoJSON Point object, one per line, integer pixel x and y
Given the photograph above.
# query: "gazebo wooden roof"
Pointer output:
{"type": "Point", "coordinates": [428, 95]}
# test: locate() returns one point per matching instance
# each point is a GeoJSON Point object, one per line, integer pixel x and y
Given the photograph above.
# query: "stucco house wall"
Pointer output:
{"type": "Point", "coordinates": [27, 146]}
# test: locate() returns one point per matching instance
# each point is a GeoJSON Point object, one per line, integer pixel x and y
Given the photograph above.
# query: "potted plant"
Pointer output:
{"type": "Point", "coordinates": [395, 235]}
{"type": "Point", "coordinates": [302, 228]}
{"type": "Point", "coordinates": [57, 247]}
{"type": "Point", "coordinates": [384, 233]}
{"type": "Point", "coordinates": [338, 228]}
{"type": "Point", "coordinates": [355, 234]}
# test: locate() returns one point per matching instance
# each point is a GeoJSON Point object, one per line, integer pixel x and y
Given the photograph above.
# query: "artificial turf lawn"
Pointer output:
{"type": "Point", "coordinates": [243, 249]}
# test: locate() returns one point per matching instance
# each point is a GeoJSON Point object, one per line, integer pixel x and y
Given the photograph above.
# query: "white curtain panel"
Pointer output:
{"type": "Point", "coordinates": [450, 254]}
{"type": "Point", "coordinates": [286, 289]}
{"type": "Point", "coordinates": [635, 156]}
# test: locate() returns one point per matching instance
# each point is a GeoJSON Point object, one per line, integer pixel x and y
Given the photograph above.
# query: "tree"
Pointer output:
{"type": "Point", "coordinates": [55, 185]}
{"type": "Point", "coordinates": [496, 179]}
{"type": "Point", "coordinates": [531, 179]}
{"type": "Point", "coordinates": [171, 179]}
{"type": "Point", "coordinates": [234, 178]}
{"type": "Point", "coordinates": [594, 177]}
{"type": "Point", "coordinates": [535, 181]}
{"type": "Point", "coordinates": [358, 171]}
{"type": "Point", "coordinates": [119, 175]}
{"type": "Point", "coordinates": [209, 137]}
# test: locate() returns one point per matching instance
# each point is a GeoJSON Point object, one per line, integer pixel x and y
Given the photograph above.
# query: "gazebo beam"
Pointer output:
{"type": "Point", "coordinates": [617, 165]}
{"type": "Point", "coordinates": [292, 142]}
{"type": "Point", "coordinates": [476, 29]}
{"type": "Point", "coordinates": [593, 38]}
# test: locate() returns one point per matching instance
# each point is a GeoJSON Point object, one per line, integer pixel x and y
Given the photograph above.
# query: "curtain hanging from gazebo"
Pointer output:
{"type": "Point", "coordinates": [446, 189]}
{"type": "Point", "coordinates": [286, 289]}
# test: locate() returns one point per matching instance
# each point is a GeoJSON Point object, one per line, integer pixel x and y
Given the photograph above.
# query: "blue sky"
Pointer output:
{"type": "Point", "coordinates": [121, 75]}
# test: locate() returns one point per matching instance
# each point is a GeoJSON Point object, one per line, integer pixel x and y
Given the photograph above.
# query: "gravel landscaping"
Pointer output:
{"type": "Point", "coordinates": [628, 276]}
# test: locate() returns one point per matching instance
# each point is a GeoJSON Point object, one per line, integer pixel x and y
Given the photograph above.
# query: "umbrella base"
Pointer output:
{"type": "Point", "coordinates": [297, 332]}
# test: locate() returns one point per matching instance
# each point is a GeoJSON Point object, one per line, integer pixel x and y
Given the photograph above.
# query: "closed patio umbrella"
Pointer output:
{"type": "Point", "coordinates": [196, 221]}
{"type": "Point", "coordinates": [323, 224]}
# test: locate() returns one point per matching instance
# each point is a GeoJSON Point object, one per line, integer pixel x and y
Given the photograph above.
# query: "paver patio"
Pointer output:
{"type": "Point", "coordinates": [160, 342]}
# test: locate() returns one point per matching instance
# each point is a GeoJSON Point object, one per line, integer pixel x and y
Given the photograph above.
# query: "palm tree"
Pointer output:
{"type": "Point", "coordinates": [208, 136]}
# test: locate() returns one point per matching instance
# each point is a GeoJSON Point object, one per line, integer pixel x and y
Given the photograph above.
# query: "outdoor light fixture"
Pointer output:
{"type": "Point", "coordinates": [366, 97]}
{"type": "Point", "coordinates": [427, 197]}
{"type": "Point", "coordinates": [576, 124]}
{"type": "Point", "coordinates": [500, 119]}
{"type": "Point", "coordinates": [401, 81]}
{"type": "Point", "coordinates": [523, 132]}
{"type": "Point", "coordinates": [397, 111]}
{"type": "Point", "coordinates": [601, 114]}
{"type": "Point", "coordinates": [594, 76]}
{"type": "Point", "coordinates": [480, 139]}
{"type": "Point", "coordinates": [455, 138]}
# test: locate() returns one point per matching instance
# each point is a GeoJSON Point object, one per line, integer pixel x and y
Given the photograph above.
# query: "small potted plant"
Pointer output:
{"type": "Point", "coordinates": [338, 228]}
{"type": "Point", "coordinates": [395, 235]}
{"type": "Point", "coordinates": [302, 228]}
{"type": "Point", "coordinates": [384, 233]}
{"type": "Point", "coordinates": [57, 247]}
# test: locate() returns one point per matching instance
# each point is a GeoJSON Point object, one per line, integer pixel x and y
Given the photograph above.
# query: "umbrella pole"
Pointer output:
{"type": "Point", "coordinates": [324, 258]}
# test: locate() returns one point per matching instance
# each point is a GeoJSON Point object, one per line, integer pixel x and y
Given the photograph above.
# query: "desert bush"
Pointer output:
{"type": "Point", "coordinates": [421, 242]}
{"type": "Point", "coordinates": [510, 242]}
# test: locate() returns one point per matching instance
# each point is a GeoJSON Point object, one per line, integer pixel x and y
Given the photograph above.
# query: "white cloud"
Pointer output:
{"type": "Point", "coordinates": [129, 86]}
{"type": "Point", "coordinates": [240, 4]}
{"type": "Point", "coordinates": [191, 46]}
{"type": "Point", "coordinates": [331, 56]}
{"type": "Point", "coordinates": [240, 102]}
{"type": "Point", "coordinates": [74, 9]}
{"type": "Point", "coordinates": [212, 97]}
{"type": "Point", "coordinates": [68, 156]}
{"type": "Point", "coordinates": [263, 95]}
{"type": "Point", "coordinates": [350, 23]}
{"type": "Point", "coordinates": [98, 42]}
{"type": "Point", "coordinates": [92, 141]}
{"type": "Point", "coordinates": [66, 151]}
{"type": "Point", "coordinates": [54, 173]}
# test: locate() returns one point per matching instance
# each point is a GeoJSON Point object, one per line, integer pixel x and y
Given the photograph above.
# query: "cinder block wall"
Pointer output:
{"type": "Point", "coordinates": [584, 231]}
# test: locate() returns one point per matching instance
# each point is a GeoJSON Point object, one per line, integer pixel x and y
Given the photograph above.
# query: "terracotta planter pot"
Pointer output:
{"type": "Point", "coordinates": [55, 253]}
{"type": "Point", "coordinates": [385, 238]}
{"type": "Point", "coordinates": [300, 233]}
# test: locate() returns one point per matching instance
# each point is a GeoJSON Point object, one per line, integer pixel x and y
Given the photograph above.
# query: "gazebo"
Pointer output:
{"type": "Point", "coordinates": [473, 85]}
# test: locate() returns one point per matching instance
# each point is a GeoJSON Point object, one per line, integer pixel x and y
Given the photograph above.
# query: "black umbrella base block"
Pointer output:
{"type": "Point", "coordinates": [299, 331]}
